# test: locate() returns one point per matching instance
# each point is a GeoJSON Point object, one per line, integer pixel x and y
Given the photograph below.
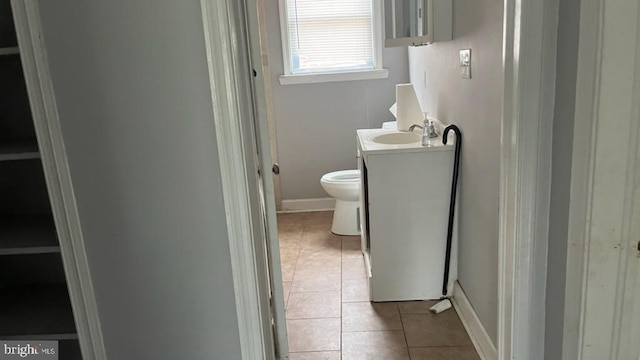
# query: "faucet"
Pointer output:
{"type": "Point", "coordinates": [428, 129]}
{"type": "Point", "coordinates": [431, 130]}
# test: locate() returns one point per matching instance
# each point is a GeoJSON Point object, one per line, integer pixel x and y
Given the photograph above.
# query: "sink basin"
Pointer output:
{"type": "Point", "coordinates": [396, 138]}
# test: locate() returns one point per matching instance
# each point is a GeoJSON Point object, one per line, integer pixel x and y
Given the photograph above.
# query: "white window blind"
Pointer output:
{"type": "Point", "coordinates": [328, 36]}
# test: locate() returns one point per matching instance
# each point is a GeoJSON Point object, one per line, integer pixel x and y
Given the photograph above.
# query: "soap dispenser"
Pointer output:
{"type": "Point", "coordinates": [426, 140]}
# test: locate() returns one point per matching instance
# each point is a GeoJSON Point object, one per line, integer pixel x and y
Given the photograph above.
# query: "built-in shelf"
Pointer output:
{"type": "Point", "coordinates": [19, 150]}
{"type": "Point", "coordinates": [13, 50]}
{"type": "Point", "coordinates": [59, 337]}
{"type": "Point", "coordinates": [34, 298]}
{"type": "Point", "coordinates": [28, 234]}
{"type": "Point", "coordinates": [35, 310]}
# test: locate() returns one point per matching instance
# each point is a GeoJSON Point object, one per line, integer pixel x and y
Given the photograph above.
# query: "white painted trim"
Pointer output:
{"type": "Point", "coordinates": [306, 205]}
{"type": "Point", "coordinates": [378, 35]}
{"type": "Point", "coordinates": [56, 169]}
{"type": "Point", "coordinates": [227, 54]}
{"type": "Point", "coordinates": [263, 52]}
{"type": "Point", "coordinates": [333, 77]}
{"type": "Point", "coordinates": [284, 36]}
{"type": "Point", "coordinates": [530, 33]}
{"type": "Point", "coordinates": [582, 164]}
{"type": "Point", "coordinates": [479, 336]}
{"type": "Point", "coordinates": [267, 247]}
{"type": "Point", "coordinates": [629, 290]}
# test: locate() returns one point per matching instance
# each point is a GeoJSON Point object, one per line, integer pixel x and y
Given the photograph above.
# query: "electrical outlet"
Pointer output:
{"type": "Point", "coordinates": [465, 64]}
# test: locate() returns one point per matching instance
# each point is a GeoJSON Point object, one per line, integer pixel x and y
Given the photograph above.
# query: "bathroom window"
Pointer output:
{"type": "Point", "coordinates": [331, 40]}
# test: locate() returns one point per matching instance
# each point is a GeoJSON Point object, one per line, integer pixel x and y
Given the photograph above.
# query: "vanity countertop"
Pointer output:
{"type": "Point", "coordinates": [367, 145]}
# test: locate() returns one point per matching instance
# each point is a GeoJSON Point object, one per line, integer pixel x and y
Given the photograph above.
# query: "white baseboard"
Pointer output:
{"type": "Point", "coordinates": [303, 205]}
{"type": "Point", "coordinates": [481, 340]}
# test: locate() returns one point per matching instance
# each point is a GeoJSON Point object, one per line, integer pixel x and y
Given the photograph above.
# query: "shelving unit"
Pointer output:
{"type": "Point", "coordinates": [34, 298]}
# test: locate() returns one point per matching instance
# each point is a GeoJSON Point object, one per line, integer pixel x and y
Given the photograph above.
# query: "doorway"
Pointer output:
{"type": "Point", "coordinates": [520, 154]}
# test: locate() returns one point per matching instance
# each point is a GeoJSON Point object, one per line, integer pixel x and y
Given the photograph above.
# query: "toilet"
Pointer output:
{"type": "Point", "coordinates": [344, 186]}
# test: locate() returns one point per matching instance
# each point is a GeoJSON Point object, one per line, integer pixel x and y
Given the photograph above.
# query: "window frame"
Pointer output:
{"type": "Point", "coordinates": [378, 72]}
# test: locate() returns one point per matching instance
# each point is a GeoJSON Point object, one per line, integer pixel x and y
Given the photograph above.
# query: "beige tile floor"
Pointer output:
{"type": "Point", "coordinates": [329, 316]}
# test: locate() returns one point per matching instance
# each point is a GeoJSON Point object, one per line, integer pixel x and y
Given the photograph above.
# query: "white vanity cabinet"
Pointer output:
{"type": "Point", "coordinates": [405, 194]}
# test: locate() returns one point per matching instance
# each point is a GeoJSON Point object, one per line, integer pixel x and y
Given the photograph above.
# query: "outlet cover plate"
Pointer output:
{"type": "Point", "coordinates": [465, 63]}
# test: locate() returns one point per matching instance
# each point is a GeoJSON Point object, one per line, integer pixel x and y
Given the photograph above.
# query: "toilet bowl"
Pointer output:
{"type": "Point", "coordinates": [344, 186]}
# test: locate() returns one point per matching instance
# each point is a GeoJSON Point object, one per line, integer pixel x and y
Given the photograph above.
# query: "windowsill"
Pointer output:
{"type": "Point", "coordinates": [333, 77]}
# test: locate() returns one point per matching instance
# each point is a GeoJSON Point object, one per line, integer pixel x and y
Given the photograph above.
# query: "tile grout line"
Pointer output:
{"type": "Point", "coordinates": [295, 265]}
{"type": "Point", "coordinates": [293, 274]}
{"type": "Point", "coordinates": [404, 332]}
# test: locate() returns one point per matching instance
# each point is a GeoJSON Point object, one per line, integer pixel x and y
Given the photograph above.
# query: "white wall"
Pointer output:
{"type": "Point", "coordinates": [131, 82]}
{"type": "Point", "coordinates": [316, 123]}
{"type": "Point", "coordinates": [475, 106]}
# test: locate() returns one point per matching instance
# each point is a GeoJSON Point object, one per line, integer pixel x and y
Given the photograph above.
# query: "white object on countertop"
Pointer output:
{"type": "Point", "coordinates": [394, 110]}
{"type": "Point", "coordinates": [391, 125]}
{"type": "Point", "coordinates": [408, 109]}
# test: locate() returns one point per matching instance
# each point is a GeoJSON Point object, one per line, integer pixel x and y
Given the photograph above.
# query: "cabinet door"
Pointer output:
{"type": "Point", "coordinates": [408, 212]}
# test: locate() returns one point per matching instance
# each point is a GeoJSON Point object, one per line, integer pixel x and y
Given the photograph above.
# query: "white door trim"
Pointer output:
{"type": "Point", "coordinates": [56, 170]}
{"type": "Point", "coordinates": [229, 72]}
{"type": "Point", "coordinates": [629, 290]}
{"type": "Point", "coordinates": [588, 78]}
{"type": "Point", "coordinates": [603, 220]}
{"type": "Point", "coordinates": [261, 43]}
{"type": "Point", "coordinates": [263, 127]}
{"type": "Point", "coordinates": [530, 34]}
{"type": "Point", "coordinates": [479, 337]}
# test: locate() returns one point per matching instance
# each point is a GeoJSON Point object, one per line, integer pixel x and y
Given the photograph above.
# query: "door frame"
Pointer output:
{"type": "Point", "coordinates": [270, 181]}
{"type": "Point", "coordinates": [243, 154]}
{"type": "Point", "coordinates": [529, 65]}
{"type": "Point", "coordinates": [530, 32]}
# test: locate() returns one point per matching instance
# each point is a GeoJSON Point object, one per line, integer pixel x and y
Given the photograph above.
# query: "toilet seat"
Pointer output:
{"type": "Point", "coordinates": [342, 176]}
